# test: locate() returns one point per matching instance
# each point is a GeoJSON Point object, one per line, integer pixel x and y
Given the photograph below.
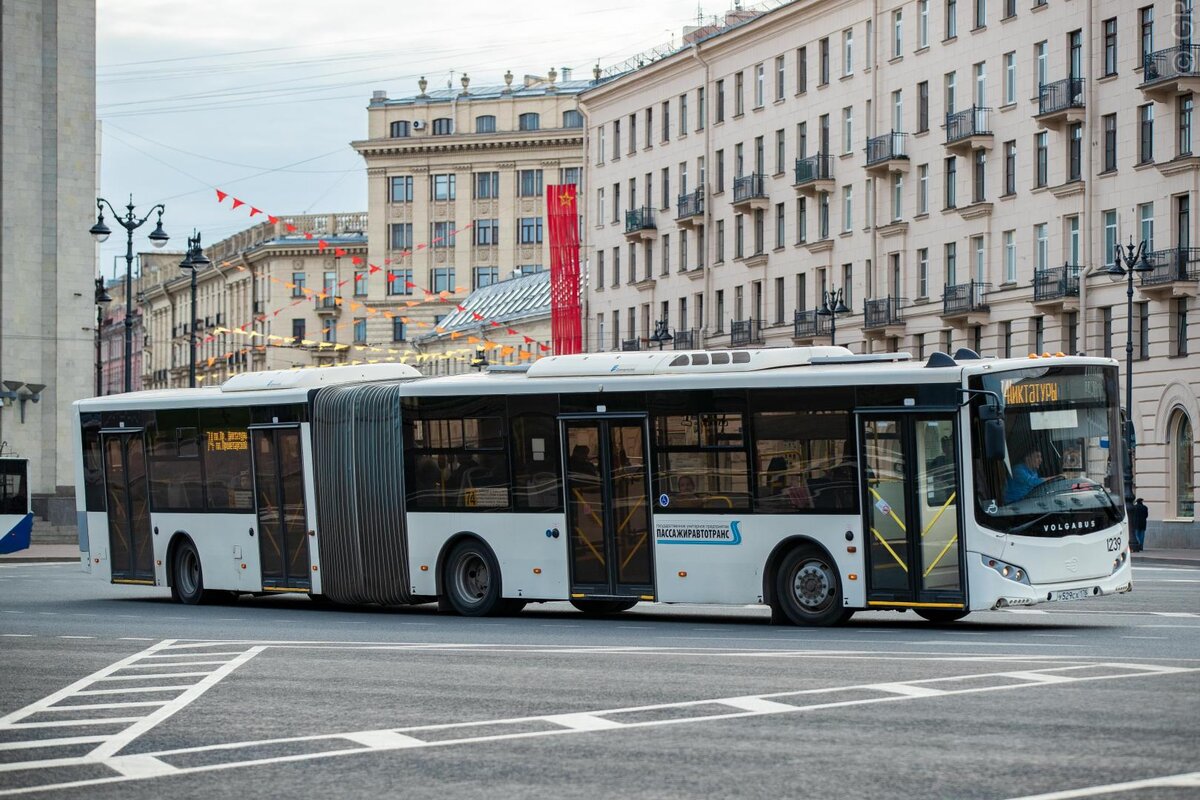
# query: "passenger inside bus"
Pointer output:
{"type": "Point", "coordinates": [1025, 477]}
{"type": "Point", "coordinates": [580, 462]}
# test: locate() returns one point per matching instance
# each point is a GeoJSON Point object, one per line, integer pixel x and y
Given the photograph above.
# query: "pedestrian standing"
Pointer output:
{"type": "Point", "coordinates": [1140, 516]}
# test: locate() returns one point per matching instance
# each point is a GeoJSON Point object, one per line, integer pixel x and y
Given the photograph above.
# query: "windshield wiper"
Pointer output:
{"type": "Point", "coordinates": [1027, 525]}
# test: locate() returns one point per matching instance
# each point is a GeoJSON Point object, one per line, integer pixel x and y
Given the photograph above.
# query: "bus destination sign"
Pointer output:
{"type": "Point", "coordinates": [1023, 394]}
{"type": "Point", "coordinates": [225, 441]}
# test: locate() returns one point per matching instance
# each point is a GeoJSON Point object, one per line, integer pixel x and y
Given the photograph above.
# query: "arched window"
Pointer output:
{"type": "Point", "coordinates": [400, 129]}
{"type": "Point", "coordinates": [530, 122]}
{"type": "Point", "coordinates": [485, 123]}
{"type": "Point", "coordinates": [443, 126]}
{"type": "Point", "coordinates": [572, 119]}
{"type": "Point", "coordinates": [1182, 466]}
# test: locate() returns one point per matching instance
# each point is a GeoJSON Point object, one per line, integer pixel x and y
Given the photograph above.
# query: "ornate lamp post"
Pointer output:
{"type": "Point", "coordinates": [832, 304]}
{"type": "Point", "coordinates": [193, 261]}
{"type": "Point", "coordinates": [1134, 260]}
{"type": "Point", "coordinates": [662, 334]}
{"type": "Point", "coordinates": [100, 232]}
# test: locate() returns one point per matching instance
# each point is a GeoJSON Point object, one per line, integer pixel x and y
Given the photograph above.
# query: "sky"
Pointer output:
{"type": "Point", "coordinates": [261, 99]}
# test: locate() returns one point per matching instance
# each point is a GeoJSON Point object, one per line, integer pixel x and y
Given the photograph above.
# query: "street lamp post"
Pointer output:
{"type": "Point", "coordinates": [662, 333]}
{"type": "Point", "coordinates": [832, 304]}
{"type": "Point", "coordinates": [1134, 260]}
{"type": "Point", "coordinates": [102, 301]}
{"type": "Point", "coordinates": [100, 232]}
{"type": "Point", "coordinates": [192, 262]}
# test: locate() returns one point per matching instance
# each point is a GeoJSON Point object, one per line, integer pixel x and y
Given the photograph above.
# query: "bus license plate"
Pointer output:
{"type": "Point", "coordinates": [1071, 594]}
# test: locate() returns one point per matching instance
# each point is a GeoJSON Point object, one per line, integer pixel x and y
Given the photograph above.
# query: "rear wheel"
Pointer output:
{"type": "Point", "coordinates": [601, 607]}
{"type": "Point", "coordinates": [807, 589]}
{"type": "Point", "coordinates": [942, 616]}
{"type": "Point", "coordinates": [471, 580]}
{"type": "Point", "coordinates": [187, 576]}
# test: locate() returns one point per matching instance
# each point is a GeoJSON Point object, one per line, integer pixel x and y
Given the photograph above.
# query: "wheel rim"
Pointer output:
{"type": "Point", "coordinates": [813, 586]}
{"type": "Point", "coordinates": [189, 572]}
{"type": "Point", "coordinates": [472, 579]}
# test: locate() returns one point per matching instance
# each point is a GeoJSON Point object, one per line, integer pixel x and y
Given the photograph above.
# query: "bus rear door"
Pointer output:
{"type": "Point", "coordinates": [911, 511]}
{"type": "Point", "coordinates": [608, 507]}
{"type": "Point", "coordinates": [279, 498]}
{"type": "Point", "coordinates": [130, 544]}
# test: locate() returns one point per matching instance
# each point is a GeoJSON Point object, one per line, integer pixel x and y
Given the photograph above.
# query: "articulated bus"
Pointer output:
{"type": "Point", "coordinates": [811, 480]}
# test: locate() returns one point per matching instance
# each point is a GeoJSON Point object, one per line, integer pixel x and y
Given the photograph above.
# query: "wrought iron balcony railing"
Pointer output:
{"type": "Point", "coordinates": [749, 187]}
{"type": "Point", "coordinates": [882, 312]}
{"type": "Point", "coordinates": [973, 121]}
{"type": "Point", "coordinates": [639, 219]}
{"type": "Point", "coordinates": [1174, 62]}
{"type": "Point", "coordinates": [1175, 264]}
{"type": "Point", "coordinates": [1055, 283]}
{"type": "Point", "coordinates": [809, 324]}
{"type": "Point", "coordinates": [1060, 95]}
{"type": "Point", "coordinates": [691, 205]}
{"type": "Point", "coordinates": [963, 298]}
{"type": "Point", "coordinates": [745, 331]}
{"type": "Point", "coordinates": [687, 339]}
{"type": "Point", "coordinates": [887, 147]}
{"type": "Point", "coordinates": [631, 344]}
{"type": "Point", "coordinates": [814, 168]}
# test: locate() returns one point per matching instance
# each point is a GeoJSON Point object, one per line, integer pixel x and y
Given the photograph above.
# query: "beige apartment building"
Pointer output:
{"type": "Point", "coordinates": [456, 181]}
{"type": "Point", "coordinates": [960, 170]}
{"type": "Point", "coordinates": [277, 295]}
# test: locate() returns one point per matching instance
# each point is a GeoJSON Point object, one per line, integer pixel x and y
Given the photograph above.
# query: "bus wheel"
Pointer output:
{"type": "Point", "coordinates": [807, 590]}
{"type": "Point", "coordinates": [941, 616]}
{"type": "Point", "coordinates": [187, 577]}
{"type": "Point", "coordinates": [472, 580]}
{"type": "Point", "coordinates": [601, 607]}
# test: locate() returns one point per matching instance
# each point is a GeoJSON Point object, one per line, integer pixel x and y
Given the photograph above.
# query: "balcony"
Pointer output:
{"type": "Point", "coordinates": [808, 326]}
{"type": "Point", "coordinates": [814, 174]}
{"type": "Point", "coordinates": [964, 304]}
{"type": "Point", "coordinates": [745, 332]}
{"type": "Point", "coordinates": [1060, 103]}
{"type": "Point", "coordinates": [639, 224]}
{"type": "Point", "coordinates": [631, 344]}
{"type": "Point", "coordinates": [1057, 287]}
{"type": "Point", "coordinates": [883, 317]}
{"type": "Point", "coordinates": [691, 209]}
{"type": "Point", "coordinates": [1175, 274]}
{"type": "Point", "coordinates": [330, 306]}
{"type": "Point", "coordinates": [969, 129]}
{"type": "Point", "coordinates": [686, 340]}
{"type": "Point", "coordinates": [1171, 72]}
{"type": "Point", "coordinates": [888, 153]}
{"type": "Point", "coordinates": [750, 193]}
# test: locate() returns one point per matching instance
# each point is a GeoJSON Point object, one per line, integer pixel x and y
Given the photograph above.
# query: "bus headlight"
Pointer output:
{"type": "Point", "coordinates": [1010, 571]}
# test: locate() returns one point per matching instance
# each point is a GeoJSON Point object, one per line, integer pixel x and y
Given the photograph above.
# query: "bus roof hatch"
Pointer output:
{"type": "Point", "coordinates": [676, 362]}
{"type": "Point", "coordinates": [314, 378]}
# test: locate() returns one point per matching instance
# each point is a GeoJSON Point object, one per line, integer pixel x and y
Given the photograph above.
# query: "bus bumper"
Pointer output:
{"type": "Point", "coordinates": [991, 590]}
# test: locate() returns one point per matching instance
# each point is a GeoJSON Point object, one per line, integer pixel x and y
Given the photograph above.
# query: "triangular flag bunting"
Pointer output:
{"type": "Point", "coordinates": [254, 211]}
{"type": "Point", "coordinates": [221, 196]}
{"type": "Point", "coordinates": [237, 202]}
{"type": "Point", "coordinates": [272, 219]}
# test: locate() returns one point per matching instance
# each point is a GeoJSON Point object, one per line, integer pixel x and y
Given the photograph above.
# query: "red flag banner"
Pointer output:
{"type": "Point", "coordinates": [566, 324]}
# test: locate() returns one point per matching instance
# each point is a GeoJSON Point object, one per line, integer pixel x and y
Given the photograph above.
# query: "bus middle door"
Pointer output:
{"type": "Point", "coordinates": [127, 492]}
{"type": "Point", "coordinates": [279, 501]}
{"type": "Point", "coordinates": [911, 514]}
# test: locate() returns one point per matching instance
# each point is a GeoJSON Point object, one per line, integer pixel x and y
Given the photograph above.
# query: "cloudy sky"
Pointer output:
{"type": "Point", "coordinates": [262, 98]}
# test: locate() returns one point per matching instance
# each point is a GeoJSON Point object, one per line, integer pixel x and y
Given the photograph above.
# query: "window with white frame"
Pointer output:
{"type": "Point", "coordinates": [848, 51]}
{"type": "Point", "coordinates": [897, 33]}
{"type": "Point", "coordinates": [1041, 243]}
{"type": "Point", "coordinates": [1110, 236]}
{"type": "Point", "coordinates": [847, 208]}
{"type": "Point", "coordinates": [1010, 256]}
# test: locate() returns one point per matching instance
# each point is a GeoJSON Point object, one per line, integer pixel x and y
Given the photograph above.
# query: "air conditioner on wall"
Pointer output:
{"type": "Point", "coordinates": [418, 124]}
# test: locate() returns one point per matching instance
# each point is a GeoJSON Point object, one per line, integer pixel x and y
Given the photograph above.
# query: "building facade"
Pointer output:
{"type": "Point", "coordinates": [960, 171]}
{"type": "Point", "coordinates": [456, 181]}
{"type": "Point", "coordinates": [110, 360]}
{"type": "Point", "coordinates": [47, 259]}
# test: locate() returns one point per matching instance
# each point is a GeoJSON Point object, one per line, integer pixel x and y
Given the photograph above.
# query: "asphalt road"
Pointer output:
{"type": "Point", "coordinates": [280, 697]}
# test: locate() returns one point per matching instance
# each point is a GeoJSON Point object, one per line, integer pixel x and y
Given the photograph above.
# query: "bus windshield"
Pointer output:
{"type": "Point", "coordinates": [1061, 472]}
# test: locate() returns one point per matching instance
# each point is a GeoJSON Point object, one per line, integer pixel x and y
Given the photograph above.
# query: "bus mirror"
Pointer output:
{"type": "Point", "coordinates": [994, 443]}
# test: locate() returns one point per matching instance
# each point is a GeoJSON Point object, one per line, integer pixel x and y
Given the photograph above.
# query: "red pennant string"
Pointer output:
{"type": "Point", "coordinates": [289, 227]}
{"type": "Point", "coordinates": [272, 219]}
{"type": "Point", "coordinates": [254, 211]}
{"type": "Point", "coordinates": [356, 260]}
{"type": "Point", "coordinates": [221, 196]}
{"type": "Point", "coordinates": [322, 244]}
{"type": "Point", "coordinates": [237, 202]}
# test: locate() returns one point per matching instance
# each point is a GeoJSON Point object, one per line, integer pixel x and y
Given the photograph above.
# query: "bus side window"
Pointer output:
{"type": "Point", "coordinates": [535, 462]}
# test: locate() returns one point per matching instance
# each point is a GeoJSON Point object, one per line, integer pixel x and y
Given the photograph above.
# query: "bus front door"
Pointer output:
{"type": "Point", "coordinates": [911, 513]}
{"type": "Point", "coordinates": [130, 545]}
{"type": "Point", "coordinates": [279, 497]}
{"type": "Point", "coordinates": [608, 509]}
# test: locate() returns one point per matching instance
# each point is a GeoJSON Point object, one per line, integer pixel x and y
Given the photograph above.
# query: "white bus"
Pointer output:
{"type": "Point", "coordinates": [811, 480]}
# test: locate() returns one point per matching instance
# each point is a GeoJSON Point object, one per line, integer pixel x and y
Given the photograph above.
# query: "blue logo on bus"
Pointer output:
{"type": "Point", "coordinates": [698, 533]}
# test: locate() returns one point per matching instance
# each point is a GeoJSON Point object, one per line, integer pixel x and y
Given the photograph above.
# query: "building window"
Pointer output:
{"type": "Point", "coordinates": [1145, 133]}
{"type": "Point", "coordinates": [1143, 322]}
{"type": "Point", "coordinates": [823, 215]}
{"type": "Point", "coordinates": [443, 126]}
{"type": "Point", "coordinates": [779, 77]}
{"type": "Point", "coordinates": [801, 220]}
{"type": "Point", "coordinates": [1146, 25]}
{"type": "Point", "coordinates": [1110, 46]}
{"type": "Point", "coordinates": [360, 329]}
{"type": "Point", "coordinates": [444, 187]}
{"type": "Point", "coordinates": [951, 252]}
{"type": "Point", "coordinates": [951, 19]}
{"type": "Point", "coordinates": [572, 119]}
{"type": "Point", "coordinates": [1106, 331]}
{"type": "Point", "coordinates": [402, 189]}
{"type": "Point", "coordinates": [980, 176]}
{"type": "Point", "coordinates": [1186, 106]}
{"type": "Point", "coordinates": [897, 33]}
{"type": "Point", "coordinates": [487, 185]}
{"type": "Point", "coordinates": [719, 256]}
{"type": "Point", "coordinates": [529, 121]}
{"type": "Point", "coordinates": [1010, 78]}
{"type": "Point", "coordinates": [801, 70]}
{"type": "Point", "coordinates": [399, 281]}
{"type": "Point", "coordinates": [683, 114]}
{"type": "Point", "coordinates": [1070, 342]}
{"type": "Point", "coordinates": [760, 80]}
{"type": "Point", "coordinates": [1006, 339]}
{"type": "Point", "coordinates": [329, 331]}
{"type": "Point", "coordinates": [530, 230]}
{"type": "Point", "coordinates": [1039, 334]}
{"type": "Point", "coordinates": [739, 235]}
{"type": "Point", "coordinates": [923, 189]}
{"type": "Point", "coordinates": [360, 282]}
{"type": "Point", "coordinates": [701, 109]}
{"type": "Point", "coordinates": [1010, 167]}
{"type": "Point", "coordinates": [897, 196]}
{"type": "Point", "coordinates": [780, 155]}
{"type": "Point", "coordinates": [485, 123]}
{"type": "Point", "coordinates": [1110, 237]}
{"type": "Point", "coordinates": [923, 272]}
{"type": "Point", "coordinates": [442, 234]}
{"type": "Point", "coordinates": [1183, 467]}
{"type": "Point", "coordinates": [1146, 223]}
{"type": "Point", "coordinates": [530, 184]}
{"type": "Point", "coordinates": [922, 106]}
{"type": "Point", "coordinates": [485, 276]}
{"type": "Point", "coordinates": [1010, 256]}
{"type": "Point", "coordinates": [980, 14]}
{"type": "Point", "coordinates": [666, 120]}
{"type": "Point", "coordinates": [443, 279]}
{"type": "Point", "coordinates": [1179, 327]}
{"type": "Point", "coordinates": [823, 62]}
{"type": "Point", "coordinates": [1074, 152]}
{"type": "Point", "coordinates": [719, 111]}
{"type": "Point", "coordinates": [951, 182]}
{"type": "Point", "coordinates": [848, 52]}
{"type": "Point", "coordinates": [739, 94]}
{"type": "Point", "coordinates": [487, 232]}
{"type": "Point", "coordinates": [1041, 238]}
{"type": "Point", "coordinates": [1041, 173]}
{"type": "Point", "coordinates": [1110, 142]}
{"type": "Point", "coordinates": [847, 208]}
{"type": "Point", "coordinates": [298, 279]}
{"type": "Point", "coordinates": [298, 326]}
{"type": "Point", "coordinates": [922, 24]}
{"type": "Point", "coordinates": [848, 129]}
{"type": "Point", "coordinates": [780, 226]}
{"type": "Point", "coordinates": [665, 265]}
{"type": "Point", "coordinates": [400, 129]}
{"type": "Point", "coordinates": [399, 334]}
{"type": "Point", "coordinates": [401, 235]}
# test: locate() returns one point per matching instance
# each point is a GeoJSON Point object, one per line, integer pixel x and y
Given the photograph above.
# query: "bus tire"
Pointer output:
{"type": "Point", "coordinates": [471, 580]}
{"type": "Point", "coordinates": [187, 576]}
{"type": "Point", "coordinates": [602, 607]}
{"type": "Point", "coordinates": [807, 589]}
{"type": "Point", "coordinates": [941, 616]}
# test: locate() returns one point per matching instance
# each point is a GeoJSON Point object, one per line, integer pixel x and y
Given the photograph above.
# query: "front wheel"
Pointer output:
{"type": "Point", "coordinates": [471, 580]}
{"type": "Point", "coordinates": [602, 607]}
{"type": "Point", "coordinates": [941, 616]}
{"type": "Point", "coordinates": [187, 576]}
{"type": "Point", "coordinates": [807, 588]}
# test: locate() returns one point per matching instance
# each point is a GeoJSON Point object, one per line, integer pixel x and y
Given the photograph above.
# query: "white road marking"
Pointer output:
{"type": "Point", "coordinates": [1025, 611]}
{"type": "Point", "coordinates": [907, 690]}
{"type": "Point", "coordinates": [77, 637]}
{"type": "Point", "coordinates": [140, 766]}
{"type": "Point", "coordinates": [757, 704]}
{"type": "Point", "coordinates": [1184, 614]}
{"type": "Point", "coordinates": [583, 722]}
{"type": "Point", "coordinates": [1186, 780]}
{"type": "Point", "coordinates": [1144, 637]}
{"type": "Point", "coordinates": [18, 635]}
{"type": "Point", "coordinates": [384, 740]}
